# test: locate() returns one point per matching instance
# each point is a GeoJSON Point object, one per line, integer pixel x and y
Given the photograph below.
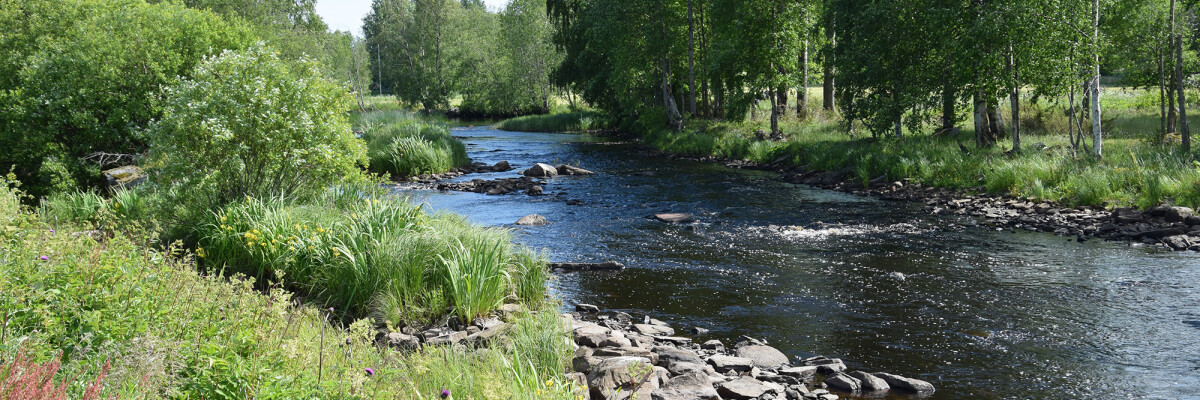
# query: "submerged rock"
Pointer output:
{"type": "Point", "coordinates": [541, 170]}
{"type": "Point", "coordinates": [843, 382]}
{"type": "Point", "coordinates": [532, 220]}
{"type": "Point", "coordinates": [564, 169]}
{"type": "Point", "coordinates": [674, 218]}
{"type": "Point", "coordinates": [870, 383]}
{"type": "Point", "coordinates": [906, 384]}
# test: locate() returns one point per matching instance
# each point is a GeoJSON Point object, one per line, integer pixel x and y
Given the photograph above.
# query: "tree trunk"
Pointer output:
{"type": "Point", "coordinates": [1071, 121]}
{"type": "Point", "coordinates": [1097, 135]}
{"type": "Point", "coordinates": [1162, 93]}
{"type": "Point", "coordinates": [899, 127]}
{"type": "Point", "coordinates": [691, 61]}
{"type": "Point", "coordinates": [669, 105]}
{"type": "Point", "coordinates": [1015, 99]}
{"type": "Point", "coordinates": [774, 113]}
{"type": "Point", "coordinates": [1172, 115]}
{"type": "Point", "coordinates": [1185, 134]}
{"type": "Point", "coordinates": [948, 113]}
{"type": "Point", "coordinates": [995, 128]}
{"type": "Point", "coordinates": [802, 92]}
{"type": "Point", "coordinates": [828, 87]}
{"type": "Point", "coordinates": [980, 115]}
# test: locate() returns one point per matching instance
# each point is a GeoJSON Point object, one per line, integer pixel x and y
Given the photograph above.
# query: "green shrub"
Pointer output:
{"type": "Point", "coordinates": [403, 146]}
{"type": "Point", "coordinates": [78, 207]}
{"type": "Point", "coordinates": [249, 124]}
{"type": "Point", "coordinates": [476, 277]}
{"type": "Point", "coordinates": [578, 121]}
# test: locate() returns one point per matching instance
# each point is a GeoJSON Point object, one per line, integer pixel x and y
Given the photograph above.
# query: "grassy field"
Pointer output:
{"type": "Point", "coordinates": [1140, 168]}
{"type": "Point", "coordinates": [147, 322]}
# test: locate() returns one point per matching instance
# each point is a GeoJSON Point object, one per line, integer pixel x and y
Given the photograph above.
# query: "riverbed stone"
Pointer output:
{"type": "Point", "coordinates": [826, 365]}
{"type": "Point", "coordinates": [564, 169]}
{"type": "Point", "coordinates": [906, 384]}
{"type": "Point", "coordinates": [124, 177]}
{"type": "Point", "coordinates": [724, 363]}
{"type": "Point", "coordinates": [532, 220]}
{"type": "Point", "coordinates": [713, 344]}
{"type": "Point", "coordinates": [870, 383]}
{"type": "Point", "coordinates": [680, 368]}
{"type": "Point", "coordinates": [1177, 214]}
{"type": "Point", "coordinates": [744, 388]}
{"type": "Point", "coordinates": [1178, 242]}
{"type": "Point", "coordinates": [668, 355]}
{"type": "Point", "coordinates": [614, 341]}
{"type": "Point", "coordinates": [674, 218]}
{"type": "Point", "coordinates": [402, 341]}
{"type": "Point", "coordinates": [763, 356]}
{"type": "Point", "coordinates": [843, 382]}
{"type": "Point", "coordinates": [690, 386]}
{"type": "Point", "coordinates": [804, 373]}
{"type": "Point", "coordinates": [535, 190]}
{"type": "Point", "coordinates": [615, 378]}
{"type": "Point", "coordinates": [541, 170]}
{"type": "Point", "coordinates": [653, 330]}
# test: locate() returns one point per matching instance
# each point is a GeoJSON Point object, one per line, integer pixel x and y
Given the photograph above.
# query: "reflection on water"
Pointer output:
{"type": "Point", "coordinates": [980, 313]}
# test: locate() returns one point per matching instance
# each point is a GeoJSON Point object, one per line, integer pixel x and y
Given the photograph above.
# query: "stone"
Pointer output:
{"type": "Point", "coordinates": [564, 169]}
{"type": "Point", "coordinates": [124, 177]}
{"type": "Point", "coordinates": [541, 170]}
{"type": "Point", "coordinates": [680, 368]}
{"type": "Point", "coordinates": [605, 352]}
{"type": "Point", "coordinates": [1126, 215]}
{"type": "Point", "coordinates": [1192, 220]}
{"type": "Point", "coordinates": [1177, 214]}
{"type": "Point", "coordinates": [871, 383]}
{"type": "Point", "coordinates": [588, 308]}
{"type": "Point", "coordinates": [590, 340]}
{"type": "Point", "coordinates": [691, 386]}
{"type": "Point", "coordinates": [532, 220]}
{"type": "Point", "coordinates": [584, 364]}
{"type": "Point", "coordinates": [501, 166]}
{"type": "Point", "coordinates": [675, 340]}
{"type": "Point", "coordinates": [589, 328]}
{"type": "Point", "coordinates": [906, 384]}
{"type": "Point", "coordinates": [803, 373]}
{"type": "Point", "coordinates": [1156, 234]}
{"type": "Point", "coordinates": [744, 388]}
{"type": "Point", "coordinates": [763, 356]}
{"type": "Point", "coordinates": [618, 342]}
{"type": "Point", "coordinates": [535, 190]}
{"type": "Point", "coordinates": [723, 363]}
{"type": "Point", "coordinates": [447, 338]}
{"type": "Point", "coordinates": [713, 345]}
{"type": "Point", "coordinates": [489, 334]}
{"type": "Point", "coordinates": [1178, 242]}
{"type": "Point", "coordinates": [674, 218]}
{"type": "Point", "coordinates": [826, 365]}
{"type": "Point", "coordinates": [669, 355]}
{"type": "Point", "coordinates": [698, 331]}
{"type": "Point", "coordinates": [843, 382]}
{"type": "Point", "coordinates": [653, 330]}
{"type": "Point", "coordinates": [402, 341]}
{"type": "Point", "coordinates": [615, 378]}
{"type": "Point", "coordinates": [577, 378]}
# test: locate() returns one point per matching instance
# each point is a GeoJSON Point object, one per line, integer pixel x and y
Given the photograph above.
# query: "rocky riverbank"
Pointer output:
{"type": "Point", "coordinates": [1164, 226]}
{"type": "Point", "coordinates": [620, 357]}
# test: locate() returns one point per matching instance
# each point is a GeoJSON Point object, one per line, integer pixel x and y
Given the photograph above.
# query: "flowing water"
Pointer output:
{"type": "Point", "coordinates": [980, 313]}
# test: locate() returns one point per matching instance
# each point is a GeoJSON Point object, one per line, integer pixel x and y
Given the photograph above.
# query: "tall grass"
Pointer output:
{"type": "Point", "coordinates": [402, 145]}
{"type": "Point", "coordinates": [576, 121]}
{"type": "Point", "coordinates": [378, 255]}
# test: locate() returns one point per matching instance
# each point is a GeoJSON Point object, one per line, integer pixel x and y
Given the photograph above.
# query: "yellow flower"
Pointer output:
{"type": "Point", "coordinates": [201, 253]}
{"type": "Point", "coordinates": [222, 218]}
{"type": "Point", "coordinates": [549, 382]}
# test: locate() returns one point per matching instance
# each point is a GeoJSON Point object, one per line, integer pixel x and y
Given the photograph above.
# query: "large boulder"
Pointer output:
{"type": "Point", "coordinates": [871, 383]}
{"type": "Point", "coordinates": [541, 170]}
{"type": "Point", "coordinates": [691, 386]}
{"type": "Point", "coordinates": [1177, 214]}
{"type": "Point", "coordinates": [906, 384]}
{"type": "Point", "coordinates": [564, 169]}
{"type": "Point", "coordinates": [804, 373]}
{"type": "Point", "coordinates": [1127, 215]}
{"type": "Point", "coordinates": [763, 356]}
{"type": "Point", "coordinates": [723, 363]}
{"type": "Point", "coordinates": [681, 368]}
{"type": "Point", "coordinates": [843, 382]}
{"type": "Point", "coordinates": [668, 355]}
{"type": "Point", "coordinates": [1178, 242]}
{"type": "Point", "coordinates": [653, 330]}
{"type": "Point", "coordinates": [616, 378]}
{"type": "Point", "coordinates": [744, 388]}
{"type": "Point", "coordinates": [532, 220]}
{"type": "Point", "coordinates": [125, 177]}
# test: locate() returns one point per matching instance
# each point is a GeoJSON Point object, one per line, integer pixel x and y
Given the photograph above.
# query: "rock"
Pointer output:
{"type": "Point", "coordinates": [577, 378]}
{"type": "Point", "coordinates": [590, 340]}
{"type": "Point", "coordinates": [1177, 214]}
{"type": "Point", "coordinates": [691, 386]}
{"type": "Point", "coordinates": [402, 341]}
{"type": "Point", "coordinates": [532, 220]}
{"type": "Point", "coordinates": [713, 345]}
{"type": "Point", "coordinates": [680, 368]}
{"type": "Point", "coordinates": [535, 190]}
{"type": "Point", "coordinates": [897, 276]}
{"type": "Point", "coordinates": [125, 177]}
{"type": "Point", "coordinates": [906, 384]}
{"type": "Point", "coordinates": [576, 267]}
{"type": "Point", "coordinates": [588, 328]}
{"type": "Point", "coordinates": [452, 337]}
{"type": "Point", "coordinates": [618, 342]}
{"type": "Point", "coordinates": [541, 170]}
{"type": "Point", "coordinates": [564, 169]}
{"type": "Point", "coordinates": [674, 218]}
{"type": "Point", "coordinates": [501, 166]}
{"type": "Point", "coordinates": [1126, 215]}
{"type": "Point", "coordinates": [588, 308]}
{"type": "Point", "coordinates": [653, 330]}
{"type": "Point", "coordinates": [843, 382]}
{"type": "Point", "coordinates": [1178, 242]}
{"type": "Point", "coordinates": [826, 365]}
{"type": "Point", "coordinates": [744, 388]}
{"type": "Point", "coordinates": [1160, 233]}
{"type": "Point", "coordinates": [641, 352]}
{"type": "Point", "coordinates": [870, 383]}
{"type": "Point", "coordinates": [615, 378]}
{"type": "Point", "coordinates": [1157, 211]}
{"type": "Point", "coordinates": [675, 340]}
{"type": "Point", "coordinates": [723, 363]}
{"type": "Point", "coordinates": [803, 373]}
{"type": "Point", "coordinates": [584, 364]}
{"type": "Point", "coordinates": [763, 356]}
{"type": "Point", "coordinates": [668, 355]}
{"type": "Point", "coordinates": [1192, 220]}
{"type": "Point", "coordinates": [489, 334]}
{"type": "Point", "coordinates": [698, 331]}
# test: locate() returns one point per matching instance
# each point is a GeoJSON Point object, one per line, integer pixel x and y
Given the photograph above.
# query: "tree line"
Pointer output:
{"type": "Point", "coordinates": [883, 64]}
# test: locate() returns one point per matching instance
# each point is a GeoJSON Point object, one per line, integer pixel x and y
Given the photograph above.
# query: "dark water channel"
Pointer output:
{"type": "Point", "coordinates": [982, 314]}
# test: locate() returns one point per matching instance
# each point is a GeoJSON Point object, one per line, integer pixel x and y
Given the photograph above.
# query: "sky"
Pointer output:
{"type": "Point", "coordinates": [347, 15]}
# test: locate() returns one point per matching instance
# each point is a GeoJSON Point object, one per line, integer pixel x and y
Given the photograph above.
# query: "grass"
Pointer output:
{"type": "Point", "coordinates": [1139, 168]}
{"type": "Point", "coordinates": [375, 255]}
{"type": "Point", "coordinates": [576, 121]}
{"type": "Point", "coordinates": [160, 328]}
{"type": "Point", "coordinates": [402, 145]}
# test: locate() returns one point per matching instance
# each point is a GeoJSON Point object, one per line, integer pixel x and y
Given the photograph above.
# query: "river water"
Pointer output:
{"type": "Point", "coordinates": [982, 314]}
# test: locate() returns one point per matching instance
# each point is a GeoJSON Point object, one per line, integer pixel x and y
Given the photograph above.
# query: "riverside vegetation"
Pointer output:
{"type": "Point", "coordinates": [259, 259]}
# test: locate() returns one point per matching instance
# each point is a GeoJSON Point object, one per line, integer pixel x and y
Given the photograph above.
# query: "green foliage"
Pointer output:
{"type": "Point", "coordinates": [169, 332]}
{"type": "Point", "coordinates": [371, 256]}
{"type": "Point", "coordinates": [249, 124]}
{"type": "Point", "coordinates": [578, 121]}
{"type": "Point", "coordinates": [402, 146]}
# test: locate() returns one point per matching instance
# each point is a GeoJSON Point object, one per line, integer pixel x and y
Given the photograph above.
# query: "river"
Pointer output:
{"type": "Point", "coordinates": [980, 313]}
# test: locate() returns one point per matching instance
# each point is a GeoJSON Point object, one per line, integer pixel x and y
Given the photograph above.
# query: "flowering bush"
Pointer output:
{"type": "Point", "coordinates": [249, 124]}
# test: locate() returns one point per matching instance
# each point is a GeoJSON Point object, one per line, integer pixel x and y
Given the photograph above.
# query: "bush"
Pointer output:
{"type": "Point", "coordinates": [408, 146]}
{"type": "Point", "coordinates": [249, 124]}
{"type": "Point", "coordinates": [578, 121]}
